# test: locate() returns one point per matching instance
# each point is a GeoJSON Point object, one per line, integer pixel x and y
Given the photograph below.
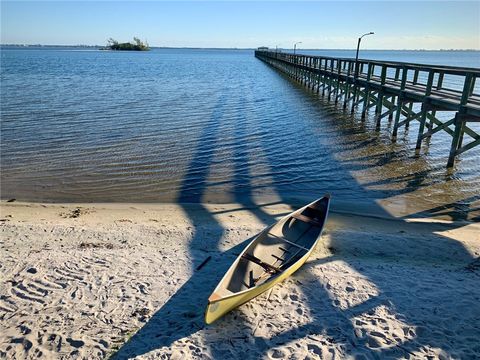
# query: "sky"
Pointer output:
{"type": "Point", "coordinates": [246, 24]}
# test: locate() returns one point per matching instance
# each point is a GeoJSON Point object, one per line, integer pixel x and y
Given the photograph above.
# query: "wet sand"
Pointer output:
{"type": "Point", "coordinates": [95, 280]}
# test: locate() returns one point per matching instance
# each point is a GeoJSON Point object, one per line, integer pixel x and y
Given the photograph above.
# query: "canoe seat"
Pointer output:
{"type": "Point", "coordinates": [289, 242]}
{"type": "Point", "coordinates": [267, 267]}
{"type": "Point", "coordinates": [307, 219]}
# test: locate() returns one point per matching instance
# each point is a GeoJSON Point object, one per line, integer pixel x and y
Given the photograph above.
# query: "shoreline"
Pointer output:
{"type": "Point", "coordinates": [382, 211]}
{"type": "Point", "coordinates": [93, 280]}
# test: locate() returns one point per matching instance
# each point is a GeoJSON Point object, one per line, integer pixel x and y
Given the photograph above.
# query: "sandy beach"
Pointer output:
{"type": "Point", "coordinates": [91, 281]}
{"type": "Point", "coordinates": [145, 144]}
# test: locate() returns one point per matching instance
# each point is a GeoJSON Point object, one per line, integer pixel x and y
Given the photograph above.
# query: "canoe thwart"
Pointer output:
{"type": "Point", "coordinates": [289, 242]}
{"type": "Point", "coordinates": [307, 219]}
{"type": "Point", "coordinates": [270, 268]}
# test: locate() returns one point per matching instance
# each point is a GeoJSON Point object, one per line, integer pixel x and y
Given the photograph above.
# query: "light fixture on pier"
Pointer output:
{"type": "Point", "coordinates": [358, 48]}
{"type": "Point", "coordinates": [359, 40]}
{"type": "Point", "coordinates": [295, 46]}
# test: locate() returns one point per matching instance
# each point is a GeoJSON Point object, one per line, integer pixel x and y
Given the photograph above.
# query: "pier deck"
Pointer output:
{"type": "Point", "coordinates": [395, 90]}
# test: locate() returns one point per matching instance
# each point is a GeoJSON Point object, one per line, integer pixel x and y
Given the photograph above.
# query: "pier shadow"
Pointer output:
{"type": "Point", "coordinates": [181, 316]}
{"type": "Point", "coordinates": [467, 210]}
{"type": "Point", "coordinates": [409, 306]}
{"type": "Point", "coordinates": [373, 153]}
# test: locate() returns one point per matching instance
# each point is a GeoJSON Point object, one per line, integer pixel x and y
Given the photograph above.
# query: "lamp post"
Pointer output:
{"type": "Point", "coordinates": [355, 75]}
{"type": "Point", "coordinates": [358, 48]}
{"type": "Point", "coordinates": [295, 47]}
{"type": "Point", "coordinates": [276, 50]}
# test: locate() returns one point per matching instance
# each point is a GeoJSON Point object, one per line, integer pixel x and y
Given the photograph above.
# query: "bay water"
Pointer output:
{"type": "Point", "coordinates": [193, 125]}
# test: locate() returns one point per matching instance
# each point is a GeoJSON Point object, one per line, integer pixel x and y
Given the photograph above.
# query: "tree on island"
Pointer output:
{"type": "Point", "coordinates": [137, 45]}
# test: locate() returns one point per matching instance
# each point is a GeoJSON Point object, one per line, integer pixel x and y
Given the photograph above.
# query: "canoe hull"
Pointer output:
{"type": "Point", "coordinates": [217, 309]}
{"type": "Point", "coordinates": [229, 295]}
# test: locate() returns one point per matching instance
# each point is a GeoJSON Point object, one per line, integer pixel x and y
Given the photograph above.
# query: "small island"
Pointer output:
{"type": "Point", "coordinates": [136, 45]}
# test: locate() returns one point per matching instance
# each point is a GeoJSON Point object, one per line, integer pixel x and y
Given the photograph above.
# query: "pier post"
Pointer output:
{"type": "Point", "coordinates": [317, 70]}
{"type": "Point", "coordinates": [366, 98]}
{"type": "Point", "coordinates": [347, 85]}
{"type": "Point", "coordinates": [459, 123]}
{"type": "Point", "coordinates": [330, 82]}
{"type": "Point", "coordinates": [425, 109]}
{"type": "Point", "coordinates": [295, 59]}
{"type": "Point", "coordinates": [400, 102]}
{"type": "Point", "coordinates": [337, 90]}
{"type": "Point", "coordinates": [460, 120]}
{"type": "Point", "coordinates": [355, 86]}
{"type": "Point", "coordinates": [379, 107]}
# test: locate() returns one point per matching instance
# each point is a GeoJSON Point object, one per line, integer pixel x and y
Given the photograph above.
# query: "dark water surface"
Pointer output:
{"type": "Point", "coordinates": [208, 125]}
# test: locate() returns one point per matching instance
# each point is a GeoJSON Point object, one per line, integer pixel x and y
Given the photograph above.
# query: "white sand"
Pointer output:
{"type": "Point", "coordinates": [79, 287]}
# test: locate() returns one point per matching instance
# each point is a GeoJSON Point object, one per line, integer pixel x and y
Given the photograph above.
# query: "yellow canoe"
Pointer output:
{"type": "Point", "coordinates": [272, 256]}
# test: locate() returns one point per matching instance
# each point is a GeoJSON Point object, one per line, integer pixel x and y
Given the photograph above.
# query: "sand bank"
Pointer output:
{"type": "Point", "coordinates": [94, 280]}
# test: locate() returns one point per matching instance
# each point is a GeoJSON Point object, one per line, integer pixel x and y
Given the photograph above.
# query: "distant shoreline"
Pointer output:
{"type": "Point", "coordinates": [23, 46]}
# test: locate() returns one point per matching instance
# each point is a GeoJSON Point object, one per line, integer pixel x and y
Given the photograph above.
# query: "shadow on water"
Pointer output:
{"type": "Point", "coordinates": [182, 321]}
{"type": "Point", "coordinates": [372, 153]}
{"type": "Point", "coordinates": [335, 326]}
{"type": "Point", "coordinates": [177, 320]}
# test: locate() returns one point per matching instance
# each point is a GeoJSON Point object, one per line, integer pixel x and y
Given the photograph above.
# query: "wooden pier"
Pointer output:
{"type": "Point", "coordinates": [401, 92]}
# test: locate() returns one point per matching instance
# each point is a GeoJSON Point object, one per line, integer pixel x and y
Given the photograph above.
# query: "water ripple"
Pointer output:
{"type": "Point", "coordinates": [97, 126]}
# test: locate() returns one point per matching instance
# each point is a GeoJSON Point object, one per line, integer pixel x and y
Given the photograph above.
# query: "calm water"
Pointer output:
{"type": "Point", "coordinates": [206, 125]}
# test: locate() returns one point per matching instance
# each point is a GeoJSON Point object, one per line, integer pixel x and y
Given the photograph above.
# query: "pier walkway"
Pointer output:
{"type": "Point", "coordinates": [403, 92]}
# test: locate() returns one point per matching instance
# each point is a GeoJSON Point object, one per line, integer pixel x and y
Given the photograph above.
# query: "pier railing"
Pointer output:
{"type": "Point", "coordinates": [394, 89]}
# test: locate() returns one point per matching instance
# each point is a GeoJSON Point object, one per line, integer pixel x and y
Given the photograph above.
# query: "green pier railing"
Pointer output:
{"type": "Point", "coordinates": [403, 92]}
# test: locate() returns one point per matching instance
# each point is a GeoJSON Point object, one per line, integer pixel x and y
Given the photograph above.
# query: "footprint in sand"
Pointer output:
{"type": "Point", "coordinates": [25, 291]}
{"type": "Point", "coordinates": [76, 294]}
{"type": "Point", "coordinates": [75, 343]}
{"type": "Point", "coordinates": [53, 342]}
{"type": "Point", "coordinates": [143, 288]}
{"type": "Point", "coordinates": [27, 344]}
{"type": "Point", "coordinates": [34, 288]}
{"type": "Point", "coordinates": [95, 262]}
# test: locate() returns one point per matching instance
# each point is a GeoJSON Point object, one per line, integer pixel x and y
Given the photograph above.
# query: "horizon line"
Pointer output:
{"type": "Point", "coordinates": [230, 48]}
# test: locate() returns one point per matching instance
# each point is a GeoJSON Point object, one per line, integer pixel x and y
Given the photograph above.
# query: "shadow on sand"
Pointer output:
{"type": "Point", "coordinates": [331, 324]}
